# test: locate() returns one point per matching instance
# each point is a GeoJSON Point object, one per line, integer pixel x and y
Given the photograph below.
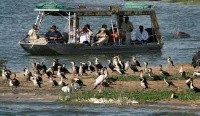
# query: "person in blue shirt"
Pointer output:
{"type": "Point", "coordinates": [53, 34]}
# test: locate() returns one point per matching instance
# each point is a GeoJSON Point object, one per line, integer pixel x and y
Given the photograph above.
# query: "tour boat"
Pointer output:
{"type": "Point", "coordinates": [72, 14]}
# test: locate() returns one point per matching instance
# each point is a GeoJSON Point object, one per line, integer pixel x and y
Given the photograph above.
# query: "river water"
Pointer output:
{"type": "Point", "coordinates": [22, 107]}
{"type": "Point", "coordinates": [17, 17]}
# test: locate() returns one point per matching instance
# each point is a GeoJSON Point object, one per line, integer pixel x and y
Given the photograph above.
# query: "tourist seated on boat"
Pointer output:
{"type": "Point", "coordinates": [102, 38]}
{"type": "Point", "coordinates": [107, 32]}
{"type": "Point", "coordinates": [141, 35]}
{"type": "Point", "coordinates": [127, 28]}
{"type": "Point", "coordinates": [53, 34]}
{"type": "Point", "coordinates": [114, 36]}
{"type": "Point", "coordinates": [32, 33]}
{"type": "Point", "coordinates": [84, 36]}
{"type": "Point", "coordinates": [152, 35]}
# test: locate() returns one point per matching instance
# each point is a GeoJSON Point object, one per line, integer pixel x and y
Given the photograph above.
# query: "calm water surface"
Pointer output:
{"type": "Point", "coordinates": [21, 107]}
{"type": "Point", "coordinates": [17, 17]}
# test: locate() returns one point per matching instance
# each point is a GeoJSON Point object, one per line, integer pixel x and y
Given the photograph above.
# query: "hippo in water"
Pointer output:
{"type": "Point", "coordinates": [180, 34]}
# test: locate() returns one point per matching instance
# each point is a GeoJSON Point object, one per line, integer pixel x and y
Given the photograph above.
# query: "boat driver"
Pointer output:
{"type": "Point", "coordinates": [127, 28]}
{"type": "Point", "coordinates": [53, 34]}
{"type": "Point", "coordinates": [33, 33]}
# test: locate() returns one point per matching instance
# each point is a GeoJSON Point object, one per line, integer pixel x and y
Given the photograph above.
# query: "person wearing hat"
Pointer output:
{"type": "Point", "coordinates": [33, 33]}
{"type": "Point", "coordinates": [53, 34]}
{"type": "Point", "coordinates": [127, 28]}
{"type": "Point", "coordinates": [114, 35]}
{"type": "Point", "coordinates": [102, 38]}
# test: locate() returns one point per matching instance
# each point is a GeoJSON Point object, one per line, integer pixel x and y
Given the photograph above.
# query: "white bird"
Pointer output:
{"type": "Point", "coordinates": [75, 69]}
{"type": "Point", "coordinates": [100, 78]}
{"type": "Point", "coordinates": [66, 89]}
{"type": "Point", "coordinates": [127, 65]}
{"type": "Point", "coordinates": [61, 82]}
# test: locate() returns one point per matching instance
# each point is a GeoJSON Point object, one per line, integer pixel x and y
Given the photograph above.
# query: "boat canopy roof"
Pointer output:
{"type": "Point", "coordinates": [128, 8]}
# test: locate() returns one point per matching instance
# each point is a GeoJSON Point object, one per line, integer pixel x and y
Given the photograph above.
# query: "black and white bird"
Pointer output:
{"type": "Point", "coordinates": [196, 74]}
{"type": "Point", "coordinates": [27, 73]}
{"type": "Point", "coordinates": [36, 82]}
{"type": "Point", "coordinates": [90, 67]}
{"type": "Point", "coordinates": [188, 81]}
{"type": "Point", "coordinates": [135, 61]}
{"type": "Point", "coordinates": [97, 64]}
{"type": "Point", "coordinates": [49, 72]}
{"type": "Point", "coordinates": [79, 81]}
{"type": "Point", "coordinates": [163, 73]}
{"type": "Point", "coordinates": [119, 70]}
{"type": "Point", "coordinates": [100, 78]}
{"type": "Point", "coordinates": [194, 88]}
{"type": "Point", "coordinates": [143, 81]}
{"type": "Point", "coordinates": [170, 62]}
{"type": "Point", "coordinates": [14, 83]}
{"type": "Point", "coordinates": [59, 73]}
{"type": "Point", "coordinates": [64, 69]}
{"type": "Point", "coordinates": [55, 64]}
{"type": "Point", "coordinates": [110, 65]}
{"type": "Point", "coordinates": [5, 74]}
{"type": "Point", "coordinates": [169, 83]}
{"type": "Point", "coordinates": [182, 72]}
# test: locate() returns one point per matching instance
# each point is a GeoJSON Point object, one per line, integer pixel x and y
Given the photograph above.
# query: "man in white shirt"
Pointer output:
{"type": "Point", "coordinates": [33, 33]}
{"type": "Point", "coordinates": [141, 35]}
{"type": "Point", "coordinates": [127, 28]}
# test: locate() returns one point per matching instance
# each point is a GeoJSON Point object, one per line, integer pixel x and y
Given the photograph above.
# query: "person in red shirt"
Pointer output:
{"type": "Point", "coordinates": [114, 35]}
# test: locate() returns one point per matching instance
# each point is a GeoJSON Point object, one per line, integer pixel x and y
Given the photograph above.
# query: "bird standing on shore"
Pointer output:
{"type": "Point", "coordinates": [100, 78]}
{"type": "Point", "coordinates": [14, 82]}
{"type": "Point", "coordinates": [146, 67]}
{"type": "Point", "coordinates": [111, 66]}
{"type": "Point", "coordinates": [90, 67]}
{"type": "Point", "coordinates": [27, 73]}
{"type": "Point", "coordinates": [53, 82]}
{"type": "Point", "coordinates": [170, 62]}
{"type": "Point", "coordinates": [36, 82]}
{"type": "Point", "coordinates": [196, 73]}
{"type": "Point", "coordinates": [127, 65]}
{"type": "Point", "coordinates": [135, 61]}
{"type": "Point", "coordinates": [169, 83]}
{"type": "Point", "coordinates": [182, 72]}
{"type": "Point", "coordinates": [153, 76]}
{"type": "Point", "coordinates": [143, 81]}
{"type": "Point", "coordinates": [75, 69]}
{"type": "Point", "coordinates": [97, 64]}
{"type": "Point", "coordinates": [5, 74]}
{"type": "Point", "coordinates": [164, 73]}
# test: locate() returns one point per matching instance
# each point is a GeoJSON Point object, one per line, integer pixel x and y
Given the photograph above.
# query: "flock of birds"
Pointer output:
{"type": "Point", "coordinates": [58, 70]}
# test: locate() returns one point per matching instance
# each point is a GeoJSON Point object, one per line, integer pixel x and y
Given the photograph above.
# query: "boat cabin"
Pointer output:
{"type": "Point", "coordinates": [73, 14]}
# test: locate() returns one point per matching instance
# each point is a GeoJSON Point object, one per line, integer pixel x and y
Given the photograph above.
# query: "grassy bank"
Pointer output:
{"type": "Point", "coordinates": [141, 96]}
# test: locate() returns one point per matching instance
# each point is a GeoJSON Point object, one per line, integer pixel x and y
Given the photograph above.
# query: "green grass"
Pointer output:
{"type": "Point", "coordinates": [143, 96]}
